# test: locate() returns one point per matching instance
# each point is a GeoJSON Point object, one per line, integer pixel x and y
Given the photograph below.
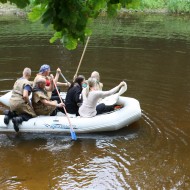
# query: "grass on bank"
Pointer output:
{"type": "Point", "coordinates": [173, 6]}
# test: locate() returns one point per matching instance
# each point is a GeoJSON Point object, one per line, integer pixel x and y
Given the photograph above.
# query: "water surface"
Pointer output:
{"type": "Point", "coordinates": [151, 53]}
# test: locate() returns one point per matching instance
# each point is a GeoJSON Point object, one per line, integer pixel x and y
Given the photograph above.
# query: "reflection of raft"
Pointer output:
{"type": "Point", "coordinates": [129, 113]}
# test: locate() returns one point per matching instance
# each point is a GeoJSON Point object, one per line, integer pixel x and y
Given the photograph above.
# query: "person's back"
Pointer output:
{"type": "Point", "coordinates": [22, 84]}
{"type": "Point", "coordinates": [19, 101]}
{"type": "Point", "coordinates": [17, 92]}
{"type": "Point", "coordinates": [88, 108]}
{"type": "Point", "coordinates": [73, 97]}
{"type": "Point", "coordinates": [91, 97]}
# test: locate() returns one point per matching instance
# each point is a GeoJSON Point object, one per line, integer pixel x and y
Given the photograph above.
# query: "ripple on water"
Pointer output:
{"type": "Point", "coordinates": [5, 141]}
{"type": "Point", "coordinates": [165, 144]}
{"type": "Point", "coordinates": [56, 145]}
{"type": "Point", "coordinates": [12, 182]}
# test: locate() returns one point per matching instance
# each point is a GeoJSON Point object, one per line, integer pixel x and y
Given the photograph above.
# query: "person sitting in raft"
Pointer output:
{"type": "Point", "coordinates": [45, 72]}
{"type": "Point", "coordinates": [91, 95]}
{"type": "Point", "coordinates": [40, 100]}
{"type": "Point", "coordinates": [20, 105]}
{"type": "Point", "coordinates": [73, 98]}
{"type": "Point", "coordinates": [96, 75]}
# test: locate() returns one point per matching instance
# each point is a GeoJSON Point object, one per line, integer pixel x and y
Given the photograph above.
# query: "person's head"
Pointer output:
{"type": "Point", "coordinates": [45, 70]}
{"type": "Point", "coordinates": [26, 73]}
{"type": "Point", "coordinates": [78, 80]}
{"type": "Point", "coordinates": [95, 75]}
{"type": "Point", "coordinates": [41, 83]}
{"type": "Point", "coordinates": [91, 84]}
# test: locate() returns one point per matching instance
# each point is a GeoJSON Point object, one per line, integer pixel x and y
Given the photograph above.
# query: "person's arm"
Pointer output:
{"type": "Point", "coordinates": [112, 91]}
{"type": "Point", "coordinates": [63, 84]}
{"type": "Point", "coordinates": [58, 71]}
{"type": "Point", "coordinates": [25, 94]}
{"type": "Point", "coordinates": [52, 103]}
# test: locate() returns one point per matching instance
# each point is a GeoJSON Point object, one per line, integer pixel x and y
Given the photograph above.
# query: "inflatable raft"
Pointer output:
{"type": "Point", "coordinates": [129, 113]}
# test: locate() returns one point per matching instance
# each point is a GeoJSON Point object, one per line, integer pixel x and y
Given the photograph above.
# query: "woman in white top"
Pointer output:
{"type": "Point", "coordinates": [91, 95]}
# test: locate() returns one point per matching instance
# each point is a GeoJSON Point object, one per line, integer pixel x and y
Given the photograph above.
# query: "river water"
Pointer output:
{"type": "Point", "coordinates": [151, 53]}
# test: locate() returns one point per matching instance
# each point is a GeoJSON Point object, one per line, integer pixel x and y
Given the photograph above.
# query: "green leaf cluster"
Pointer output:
{"type": "Point", "coordinates": [70, 18]}
{"type": "Point", "coordinates": [152, 4]}
{"type": "Point", "coordinates": [179, 6]}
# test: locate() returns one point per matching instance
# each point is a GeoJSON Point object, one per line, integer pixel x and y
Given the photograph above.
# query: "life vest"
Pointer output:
{"type": "Point", "coordinates": [47, 78]}
{"type": "Point", "coordinates": [39, 107]}
{"type": "Point", "coordinates": [18, 88]}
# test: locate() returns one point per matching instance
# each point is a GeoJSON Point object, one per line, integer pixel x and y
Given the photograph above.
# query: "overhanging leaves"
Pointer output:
{"type": "Point", "coordinates": [69, 18]}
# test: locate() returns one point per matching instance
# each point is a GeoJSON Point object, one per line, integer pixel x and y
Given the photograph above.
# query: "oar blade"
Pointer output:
{"type": "Point", "coordinates": [73, 136]}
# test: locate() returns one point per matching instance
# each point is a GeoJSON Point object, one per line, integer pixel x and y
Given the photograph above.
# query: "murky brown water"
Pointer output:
{"type": "Point", "coordinates": [152, 54]}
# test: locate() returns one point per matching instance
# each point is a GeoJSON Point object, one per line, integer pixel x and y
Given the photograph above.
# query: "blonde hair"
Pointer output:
{"type": "Point", "coordinates": [91, 83]}
{"type": "Point", "coordinates": [95, 75]}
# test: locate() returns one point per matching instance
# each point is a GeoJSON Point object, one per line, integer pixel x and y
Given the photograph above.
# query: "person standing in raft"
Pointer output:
{"type": "Point", "coordinates": [41, 101]}
{"type": "Point", "coordinates": [20, 105]}
{"type": "Point", "coordinates": [91, 95]}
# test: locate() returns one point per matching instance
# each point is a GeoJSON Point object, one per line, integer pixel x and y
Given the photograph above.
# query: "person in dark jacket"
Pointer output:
{"type": "Point", "coordinates": [73, 98]}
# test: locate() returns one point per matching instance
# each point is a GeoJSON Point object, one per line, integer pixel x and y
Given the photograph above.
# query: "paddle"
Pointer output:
{"type": "Point", "coordinates": [64, 77]}
{"type": "Point", "coordinates": [73, 135]}
{"type": "Point", "coordinates": [81, 59]}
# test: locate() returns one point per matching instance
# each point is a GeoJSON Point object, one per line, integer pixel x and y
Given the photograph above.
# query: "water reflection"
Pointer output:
{"type": "Point", "coordinates": [92, 156]}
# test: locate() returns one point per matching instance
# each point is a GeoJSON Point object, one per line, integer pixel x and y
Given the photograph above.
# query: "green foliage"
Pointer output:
{"type": "Point", "coordinates": [152, 4]}
{"type": "Point", "coordinates": [37, 12]}
{"type": "Point", "coordinates": [179, 6]}
{"type": "Point", "coordinates": [112, 9]}
{"type": "Point", "coordinates": [135, 4]}
{"type": "Point", "coordinates": [70, 18]}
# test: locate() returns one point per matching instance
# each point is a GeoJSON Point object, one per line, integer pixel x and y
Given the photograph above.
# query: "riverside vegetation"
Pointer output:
{"type": "Point", "coordinates": [71, 20]}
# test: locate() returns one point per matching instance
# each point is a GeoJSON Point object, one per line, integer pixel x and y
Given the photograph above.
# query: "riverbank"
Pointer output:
{"type": "Point", "coordinates": [10, 9]}
{"type": "Point", "coordinates": [156, 8]}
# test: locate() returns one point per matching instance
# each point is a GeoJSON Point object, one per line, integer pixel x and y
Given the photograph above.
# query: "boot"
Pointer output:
{"type": "Point", "coordinates": [8, 116]}
{"type": "Point", "coordinates": [6, 119]}
{"type": "Point", "coordinates": [17, 121]}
